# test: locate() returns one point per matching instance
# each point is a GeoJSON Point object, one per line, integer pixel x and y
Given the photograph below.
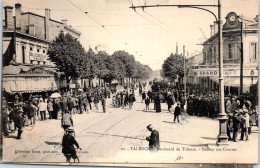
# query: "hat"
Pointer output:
{"type": "Point", "coordinates": [149, 126]}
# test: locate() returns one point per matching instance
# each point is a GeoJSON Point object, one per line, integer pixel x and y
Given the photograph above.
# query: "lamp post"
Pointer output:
{"type": "Point", "coordinates": [252, 73]}
{"type": "Point", "coordinates": [222, 137]}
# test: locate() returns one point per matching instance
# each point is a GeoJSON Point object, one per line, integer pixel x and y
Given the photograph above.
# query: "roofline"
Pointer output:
{"type": "Point", "coordinates": [226, 31]}
{"type": "Point", "coordinates": [25, 34]}
{"type": "Point", "coordinates": [65, 26]}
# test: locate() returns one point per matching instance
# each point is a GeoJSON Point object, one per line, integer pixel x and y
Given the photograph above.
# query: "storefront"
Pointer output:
{"type": "Point", "coordinates": [27, 80]}
{"type": "Point", "coordinates": [207, 78]}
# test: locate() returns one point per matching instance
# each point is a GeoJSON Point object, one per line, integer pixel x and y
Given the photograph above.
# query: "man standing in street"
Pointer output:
{"type": "Point", "coordinates": [42, 109]}
{"type": "Point", "coordinates": [66, 120]}
{"type": "Point", "coordinates": [64, 104]}
{"type": "Point", "coordinates": [103, 102]}
{"type": "Point", "coordinates": [177, 112]}
{"type": "Point", "coordinates": [68, 142]}
{"type": "Point", "coordinates": [153, 139]}
{"type": "Point", "coordinates": [19, 123]}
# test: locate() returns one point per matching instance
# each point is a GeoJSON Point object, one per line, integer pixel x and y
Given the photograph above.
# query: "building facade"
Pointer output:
{"type": "Point", "coordinates": [26, 65]}
{"type": "Point", "coordinates": [240, 38]}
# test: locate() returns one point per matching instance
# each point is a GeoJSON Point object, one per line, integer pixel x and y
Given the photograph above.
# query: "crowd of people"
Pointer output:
{"type": "Point", "coordinates": [21, 113]}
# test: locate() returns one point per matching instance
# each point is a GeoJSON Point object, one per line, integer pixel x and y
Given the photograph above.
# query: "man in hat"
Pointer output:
{"type": "Point", "coordinates": [177, 112]}
{"type": "Point", "coordinates": [64, 104]}
{"type": "Point", "coordinates": [153, 139]}
{"type": "Point", "coordinates": [66, 120]}
{"type": "Point", "coordinates": [103, 102]}
{"type": "Point", "coordinates": [68, 142]}
{"type": "Point", "coordinates": [236, 123]}
{"type": "Point", "coordinates": [42, 107]}
{"type": "Point", "coordinates": [19, 123]}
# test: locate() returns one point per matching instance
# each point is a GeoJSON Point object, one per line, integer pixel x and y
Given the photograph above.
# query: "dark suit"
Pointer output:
{"type": "Point", "coordinates": [64, 105]}
{"type": "Point", "coordinates": [177, 112]}
{"type": "Point", "coordinates": [68, 143]}
{"type": "Point", "coordinates": [154, 141]}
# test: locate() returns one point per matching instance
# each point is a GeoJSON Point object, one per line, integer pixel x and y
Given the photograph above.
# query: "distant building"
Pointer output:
{"type": "Point", "coordinates": [26, 36]}
{"type": "Point", "coordinates": [207, 74]}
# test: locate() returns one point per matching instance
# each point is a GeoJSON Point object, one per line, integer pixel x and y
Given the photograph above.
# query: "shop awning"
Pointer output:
{"type": "Point", "coordinates": [235, 81]}
{"type": "Point", "coordinates": [28, 84]}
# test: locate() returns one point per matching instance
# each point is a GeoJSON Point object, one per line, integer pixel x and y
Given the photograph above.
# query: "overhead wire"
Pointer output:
{"type": "Point", "coordinates": [101, 25]}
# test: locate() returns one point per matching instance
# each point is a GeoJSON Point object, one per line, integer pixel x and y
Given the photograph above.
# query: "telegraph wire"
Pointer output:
{"type": "Point", "coordinates": [158, 20]}
{"type": "Point", "coordinates": [101, 25]}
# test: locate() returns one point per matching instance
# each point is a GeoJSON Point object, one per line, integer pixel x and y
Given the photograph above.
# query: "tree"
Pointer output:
{"type": "Point", "coordinates": [126, 63]}
{"type": "Point", "coordinates": [173, 66]}
{"type": "Point", "coordinates": [68, 55]}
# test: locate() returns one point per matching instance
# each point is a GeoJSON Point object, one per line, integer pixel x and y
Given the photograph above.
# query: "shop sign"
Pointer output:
{"type": "Point", "coordinates": [37, 56]}
{"type": "Point", "coordinates": [215, 72]}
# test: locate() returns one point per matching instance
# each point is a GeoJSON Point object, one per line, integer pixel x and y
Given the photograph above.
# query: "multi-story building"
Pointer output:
{"type": "Point", "coordinates": [26, 36]}
{"type": "Point", "coordinates": [240, 37]}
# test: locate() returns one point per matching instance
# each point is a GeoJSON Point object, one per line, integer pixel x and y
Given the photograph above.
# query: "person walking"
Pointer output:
{"type": "Point", "coordinates": [31, 113]}
{"type": "Point", "coordinates": [66, 120]}
{"type": "Point", "coordinates": [103, 102]}
{"type": "Point", "coordinates": [177, 112]}
{"type": "Point", "coordinates": [147, 102]}
{"type": "Point", "coordinates": [42, 107]}
{"type": "Point", "coordinates": [143, 96]}
{"type": "Point", "coordinates": [96, 101]}
{"type": "Point", "coordinates": [68, 142]}
{"type": "Point", "coordinates": [19, 123]}
{"type": "Point", "coordinates": [131, 100]}
{"type": "Point", "coordinates": [236, 124]}
{"type": "Point", "coordinates": [50, 108]}
{"type": "Point", "coordinates": [153, 139]}
{"type": "Point", "coordinates": [169, 101]}
{"type": "Point", "coordinates": [245, 125]}
{"type": "Point", "coordinates": [55, 109]}
{"type": "Point", "coordinates": [157, 102]}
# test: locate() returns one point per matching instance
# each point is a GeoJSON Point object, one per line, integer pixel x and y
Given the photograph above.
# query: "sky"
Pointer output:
{"type": "Point", "coordinates": [150, 35]}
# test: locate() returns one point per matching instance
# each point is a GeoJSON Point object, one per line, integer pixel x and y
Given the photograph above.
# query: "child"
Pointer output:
{"type": "Point", "coordinates": [147, 102]}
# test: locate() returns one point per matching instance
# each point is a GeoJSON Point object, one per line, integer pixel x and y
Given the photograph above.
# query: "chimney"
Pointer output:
{"type": "Point", "coordinates": [212, 31]}
{"type": "Point", "coordinates": [9, 21]}
{"type": "Point", "coordinates": [18, 11]}
{"type": "Point", "coordinates": [64, 21]}
{"type": "Point", "coordinates": [31, 30]}
{"type": "Point", "coordinates": [47, 24]}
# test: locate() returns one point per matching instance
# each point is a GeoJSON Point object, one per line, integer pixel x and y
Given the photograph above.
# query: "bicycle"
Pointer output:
{"type": "Point", "coordinates": [184, 115]}
{"type": "Point", "coordinates": [73, 156]}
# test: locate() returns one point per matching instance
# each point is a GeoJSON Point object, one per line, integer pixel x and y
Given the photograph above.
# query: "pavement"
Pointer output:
{"type": "Point", "coordinates": [117, 137]}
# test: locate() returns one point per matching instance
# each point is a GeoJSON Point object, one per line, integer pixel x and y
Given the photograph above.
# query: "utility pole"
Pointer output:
{"type": "Point", "coordinates": [241, 61]}
{"type": "Point", "coordinates": [177, 48]}
{"type": "Point", "coordinates": [222, 117]}
{"type": "Point", "coordinates": [184, 74]}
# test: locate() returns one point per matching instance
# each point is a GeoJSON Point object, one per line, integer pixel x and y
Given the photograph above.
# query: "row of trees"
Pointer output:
{"type": "Point", "coordinates": [71, 58]}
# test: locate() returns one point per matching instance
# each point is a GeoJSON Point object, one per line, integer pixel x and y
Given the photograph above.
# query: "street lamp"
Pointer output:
{"type": "Point", "coordinates": [252, 73]}
{"type": "Point", "coordinates": [222, 137]}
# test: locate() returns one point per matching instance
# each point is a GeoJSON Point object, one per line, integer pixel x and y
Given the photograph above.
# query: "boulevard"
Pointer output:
{"type": "Point", "coordinates": [119, 136]}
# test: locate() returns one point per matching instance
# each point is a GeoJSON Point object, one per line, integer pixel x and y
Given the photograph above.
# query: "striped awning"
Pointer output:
{"type": "Point", "coordinates": [28, 84]}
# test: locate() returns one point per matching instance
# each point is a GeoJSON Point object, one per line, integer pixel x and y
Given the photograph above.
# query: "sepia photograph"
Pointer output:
{"type": "Point", "coordinates": [147, 83]}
